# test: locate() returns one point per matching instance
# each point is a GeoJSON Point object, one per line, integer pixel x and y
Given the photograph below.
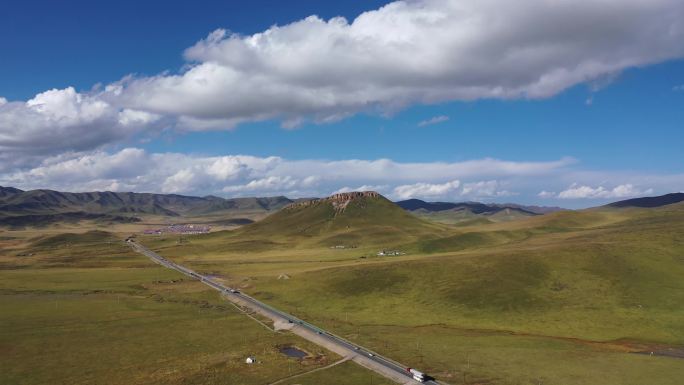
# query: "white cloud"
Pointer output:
{"type": "Point", "coordinates": [386, 170]}
{"type": "Point", "coordinates": [2, 101]}
{"type": "Point", "coordinates": [426, 190]}
{"type": "Point", "coordinates": [181, 181]}
{"type": "Point", "coordinates": [366, 187]}
{"type": "Point", "coordinates": [405, 53]}
{"type": "Point", "coordinates": [271, 183]}
{"type": "Point", "coordinates": [587, 192]}
{"type": "Point", "coordinates": [452, 190]}
{"type": "Point", "coordinates": [484, 189]}
{"type": "Point", "coordinates": [433, 120]}
{"type": "Point", "coordinates": [675, 88]}
{"type": "Point", "coordinates": [128, 117]}
{"type": "Point", "coordinates": [58, 121]}
{"type": "Point", "coordinates": [133, 169]}
{"type": "Point", "coordinates": [412, 52]}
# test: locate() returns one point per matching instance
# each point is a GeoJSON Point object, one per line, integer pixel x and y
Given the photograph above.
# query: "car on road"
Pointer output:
{"type": "Point", "coordinates": [371, 355]}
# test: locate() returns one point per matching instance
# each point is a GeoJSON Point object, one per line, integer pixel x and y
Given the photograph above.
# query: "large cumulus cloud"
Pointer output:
{"type": "Point", "coordinates": [412, 52]}
{"type": "Point", "coordinates": [407, 52]}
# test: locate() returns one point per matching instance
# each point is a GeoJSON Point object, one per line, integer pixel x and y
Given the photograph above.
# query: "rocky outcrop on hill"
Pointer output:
{"type": "Point", "coordinates": [339, 201]}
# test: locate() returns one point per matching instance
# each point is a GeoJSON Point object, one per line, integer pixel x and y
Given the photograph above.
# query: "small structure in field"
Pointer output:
{"type": "Point", "coordinates": [383, 253]}
{"type": "Point", "coordinates": [250, 360]}
{"type": "Point", "coordinates": [343, 247]}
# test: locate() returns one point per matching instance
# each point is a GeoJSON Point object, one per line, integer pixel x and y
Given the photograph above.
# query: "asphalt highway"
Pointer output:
{"type": "Point", "coordinates": [363, 356]}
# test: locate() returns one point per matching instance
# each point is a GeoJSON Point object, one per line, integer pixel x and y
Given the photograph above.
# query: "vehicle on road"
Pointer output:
{"type": "Point", "coordinates": [417, 375]}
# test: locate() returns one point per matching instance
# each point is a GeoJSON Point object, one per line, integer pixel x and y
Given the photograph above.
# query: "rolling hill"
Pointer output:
{"type": "Point", "coordinates": [459, 212]}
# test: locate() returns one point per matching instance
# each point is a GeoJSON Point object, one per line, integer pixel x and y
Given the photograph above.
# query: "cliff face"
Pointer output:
{"type": "Point", "coordinates": [339, 201]}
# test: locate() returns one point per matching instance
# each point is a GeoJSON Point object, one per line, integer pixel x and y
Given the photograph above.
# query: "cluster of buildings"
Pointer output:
{"type": "Point", "coordinates": [179, 229]}
{"type": "Point", "coordinates": [383, 253]}
{"type": "Point", "coordinates": [343, 247]}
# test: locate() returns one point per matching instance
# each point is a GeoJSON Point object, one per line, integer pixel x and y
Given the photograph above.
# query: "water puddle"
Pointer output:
{"type": "Point", "coordinates": [293, 352]}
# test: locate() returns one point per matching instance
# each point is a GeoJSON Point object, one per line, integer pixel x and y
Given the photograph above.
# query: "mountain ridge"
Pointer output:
{"type": "Point", "coordinates": [44, 202]}
{"type": "Point", "coordinates": [646, 202]}
{"type": "Point", "coordinates": [467, 212]}
{"type": "Point", "coordinates": [475, 207]}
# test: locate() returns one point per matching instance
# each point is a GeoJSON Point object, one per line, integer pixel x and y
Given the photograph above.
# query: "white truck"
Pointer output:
{"type": "Point", "coordinates": [417, 375]}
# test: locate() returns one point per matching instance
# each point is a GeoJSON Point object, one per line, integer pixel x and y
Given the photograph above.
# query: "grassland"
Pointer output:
{"type": "Point", "coordinates": [83, 309]}
{"type": "Point", "coordinates": [346, 373]}
{"type": "Point", "coordinates": [565, 298]}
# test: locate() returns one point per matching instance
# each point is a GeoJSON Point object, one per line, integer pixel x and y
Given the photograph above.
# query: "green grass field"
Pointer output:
{"type": "Point", "coordinates": [83, 309]}
{"type": "Point", "coordinates": [566, 298]}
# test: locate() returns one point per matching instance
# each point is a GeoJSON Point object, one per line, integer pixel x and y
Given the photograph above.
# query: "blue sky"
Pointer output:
{"type": "Point", "coordinates": [598, 119]}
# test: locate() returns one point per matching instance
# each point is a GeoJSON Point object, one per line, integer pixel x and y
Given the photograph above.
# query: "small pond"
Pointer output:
{"type": "Point", "coordinates": [293, 352]}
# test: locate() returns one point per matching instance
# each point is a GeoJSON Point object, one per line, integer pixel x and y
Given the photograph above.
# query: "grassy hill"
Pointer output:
{"type": "Point", "coordinates": [343, 228]}
{"type": "Point", "coordinates": [349, 219]}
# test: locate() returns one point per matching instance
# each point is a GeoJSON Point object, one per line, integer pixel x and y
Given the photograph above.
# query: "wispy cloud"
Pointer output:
{"type": "Point", "coordinates": [427, 190]}
{"type": "Point", "coordinates": [433, 120]}
{"type": "Point", "coordinates": [678, 88]}
{"type": "Point", "coordinates": [587, 192]}
{"type": "Point", "coordinates": [137, 170]}
{"type": "Point", "coordinates": [134, 169]}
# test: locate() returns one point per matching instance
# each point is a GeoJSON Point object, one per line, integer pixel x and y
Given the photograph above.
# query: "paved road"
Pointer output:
{"type": "Point", "coordinates": [363, 356]}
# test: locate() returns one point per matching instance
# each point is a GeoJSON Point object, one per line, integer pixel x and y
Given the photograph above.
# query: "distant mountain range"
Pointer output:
{"type": "Point", "coordinates": [26, 208]}
{"type": "Point", "coordinates": [658, 201]}
{"type": "Point", "coordinates": [450, 212]}
{"type": "Point", "coordinates": [475, 207]}
{"type": "Point", "coordinates": [21, 208]}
